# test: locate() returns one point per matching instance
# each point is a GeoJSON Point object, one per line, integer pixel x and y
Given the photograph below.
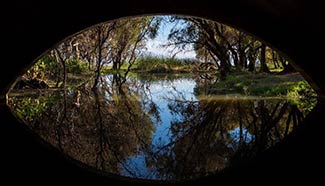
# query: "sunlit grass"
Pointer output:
{"type": "Point", "coordinates": [260, 84]}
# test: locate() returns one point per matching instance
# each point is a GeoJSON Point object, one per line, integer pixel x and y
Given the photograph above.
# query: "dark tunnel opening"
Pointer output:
{"type": "Point", "coordinates": [278, 23]}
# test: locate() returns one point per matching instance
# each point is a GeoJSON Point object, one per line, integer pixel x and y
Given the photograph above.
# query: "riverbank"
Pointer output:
{"type": "Point", "coordinates": [290, 85]}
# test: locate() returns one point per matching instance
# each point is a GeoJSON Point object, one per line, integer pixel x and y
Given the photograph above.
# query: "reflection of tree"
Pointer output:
{"type": "Point", "coordinates": [213, 134]}
{"type": "Point", "coordinates": [107, 126]}
{"type": "Point", "coordinates": [101, 127]}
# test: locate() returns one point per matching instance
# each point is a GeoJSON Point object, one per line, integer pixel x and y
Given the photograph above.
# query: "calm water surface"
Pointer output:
{"type": "Point", "coordinates": [162, 127]}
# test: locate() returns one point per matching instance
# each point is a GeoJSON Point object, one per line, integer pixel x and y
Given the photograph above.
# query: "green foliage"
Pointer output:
{"type": "Point", "coordinates": [28, 109]}
{"type": "Point", "coordinates": [306, 97]}
{"type": "Point", "coordinates": [290, 85]}
{"type": "Point", "coordinates": [301, 89]}
{"type": "Point", "coordinates": [162, 65]}
{"type": "Point", "coordinates": [76, 66]}
{"type": "Point", "coordinates": [46, 67]}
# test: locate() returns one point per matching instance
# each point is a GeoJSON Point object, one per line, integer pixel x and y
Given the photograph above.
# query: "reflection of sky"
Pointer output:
{"type": "Point", "coordinates": [160, 91]}
{"type": "Point", "coordinates": [136, 167]}
{"type": "Point", "coordinates": [235, 135]}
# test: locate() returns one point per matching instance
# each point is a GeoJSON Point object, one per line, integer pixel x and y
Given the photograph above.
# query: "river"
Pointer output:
{"type": "Point", "coordinates": [160, 127]}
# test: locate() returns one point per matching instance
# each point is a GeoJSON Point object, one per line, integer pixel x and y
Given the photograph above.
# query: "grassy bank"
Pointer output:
{"type": "Point", "coordinates": [289, 85]}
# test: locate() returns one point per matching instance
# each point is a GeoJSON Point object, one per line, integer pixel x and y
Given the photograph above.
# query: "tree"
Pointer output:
{"type": "Point", "coordinates": [117, 42]}
{"type": "Point", "coordinates": [227, 47]}
{"type": "Point", "coordinates": [86, 43]}
{"type": "Point", "coordinates": [103, 32]}
{"type": "Point", "coordinates": [204, 35]}
{"type": "Point", "coordinates": [264, 67]}
{"type": "Point", "coordinates": [129, 37]}
{"type": "Point", "coordinates": [63, 53]}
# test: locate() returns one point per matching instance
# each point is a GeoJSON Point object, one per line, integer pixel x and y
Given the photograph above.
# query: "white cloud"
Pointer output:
{"type": "Point", "coordinates": [155, 47]}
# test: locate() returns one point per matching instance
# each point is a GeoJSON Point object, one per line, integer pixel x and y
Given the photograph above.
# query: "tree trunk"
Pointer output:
{"type": "Point", "coordinates": [275, 60]}
{"type": "Point", "coordinates": [100, 160]}
{"type": "Point", "coordinates": [114, 65]}
{"type": "Point", "coordinates": [251, 65]}
{"type": "Point", "coordinates": [242, 59]}
{"type": "Point", "coordinates": [241, 56]}
{"type": "Point", "coordinates": [62, 61]}
{"type": "Point", "coordinates": [217, 48]}
{"type": "Point", "coordinates": [64, 74]}
{"type": "Point", "coordinates": [99, 60]}
{"type": "Point", "coordinates": [224, 69]}
{"type": "Point", "coordinates": [89, 58]}
{"type": "Point", "coordinates": [264, 67]}
{"type": "Point", "coordinates": [118, 84]}
{"type": "Point", "coordinates": [222, 56]}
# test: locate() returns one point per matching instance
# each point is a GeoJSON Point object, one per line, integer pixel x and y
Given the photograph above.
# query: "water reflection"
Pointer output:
{"type": "Point", "coordinates": [164, 127]}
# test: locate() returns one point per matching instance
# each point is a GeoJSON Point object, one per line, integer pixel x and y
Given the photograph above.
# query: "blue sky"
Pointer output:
{"type": "Point", "coordinates": [154, 45]}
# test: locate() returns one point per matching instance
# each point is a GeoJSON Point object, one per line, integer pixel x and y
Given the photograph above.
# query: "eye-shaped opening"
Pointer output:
{"type": "Point", "coordinates": [162, 97]}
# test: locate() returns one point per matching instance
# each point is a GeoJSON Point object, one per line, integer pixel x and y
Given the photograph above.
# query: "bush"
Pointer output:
{"type": "Point", "coordinates": [306, 94]}
{"type": "Point", "coordinates": [158, 64]}
{"type": "Point", "coordinates": [76, 66]}
{"type": "Point", "coordinates": [45, 68]}
{"type": "Point", "coordinates": [302, 89]}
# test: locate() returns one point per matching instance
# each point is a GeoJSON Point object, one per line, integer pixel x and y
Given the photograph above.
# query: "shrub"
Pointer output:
{"type": "Point", "coordinates": [45, 68]}
{"type": "Point", "coordinates": [159, 64]}
{"type": "Point", "coordinates": [76, 66]}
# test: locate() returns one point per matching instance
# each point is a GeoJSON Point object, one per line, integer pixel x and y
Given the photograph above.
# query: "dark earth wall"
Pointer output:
{"type": "Point", "coordinates": [294, 27]}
